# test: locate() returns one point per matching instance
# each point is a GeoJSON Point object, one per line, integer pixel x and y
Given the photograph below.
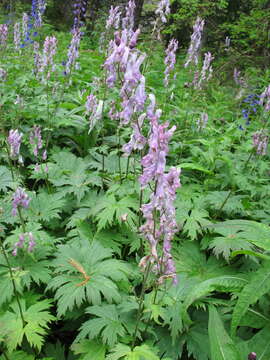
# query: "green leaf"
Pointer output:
{"type": "Point", "coordinates": [86, 272]}
{"type": "Point", "coordinates": [194, 166]}
{"type": "Point", "coordinates": [122, 351]}
{"type": "Point", "coordinates": [5, 179]}
{"type": "Point", "coordinates": [194, 223]}
{"type": "Point", "coordinates": [258, 285]}
{"type": "Point", "coordinates": [221, 345]}
{"type": "Point", "coordinates": [18, 355]}
{"type": "Point", "coordinates": [45, 207]}
{"type": "Point", "coordinates": [36, 317]}
{"type": "Point", "coordinates": [90, 349]}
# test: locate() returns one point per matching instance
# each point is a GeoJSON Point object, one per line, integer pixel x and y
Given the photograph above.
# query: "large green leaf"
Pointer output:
{"type": "Point", "coordinates": [221, 345]}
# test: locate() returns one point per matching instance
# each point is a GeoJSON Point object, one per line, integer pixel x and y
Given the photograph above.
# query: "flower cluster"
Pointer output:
{"type": "Point", "coordinates": [206, 72]}
{"type": "Point", "coordinates": [17, 35]}
{"type": "Point", "coordinates": [159, 213]}
{"type": "Point", "coordinates": [237, 78]}
{"type": "Point", "coordinates": [250, 105]}
{"type": "Point", "coordinates": [37, 58]}
{"type": "Point", "coordinates": [260, 142]}
{"type": "Point", "coordinates": [163, 10]}
{"type": "Point", "coordinates": [202, 121]}
{"type": "Point", "coordinates": [14, 139]}
{"type": "Point", "coordinates": [20, 199]}
{"type": "Point", "coordinates": [49, 50]}
{"type": "Point", "coordinates": [3, 35]}
{"type": "Point", "coordinates": [79, 11]}
{"type": "Point", "coordinates": [113, 20]}
{"type": "Point", "coordinates": [73, 50]}
{"type": "Point", "coordinates": [94, 109]}
{"type": "Point", "coordinates": [22, 240]}
{"type": "Point", "coordinates": [265, 99]}
{"type": "Point", "coordinates": [35, 140]}
{"type": "Point", "coordinates": [128, 20]}
{"type": "Point", "coordinates": [37, 11]}
{"type": "Point", "coordinates": [170, 59]}
{"type": "Point", "coordinates": [195, 43]}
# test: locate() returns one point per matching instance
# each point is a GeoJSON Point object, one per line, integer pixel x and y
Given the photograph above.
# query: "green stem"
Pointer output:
{"type": "Point", "coordinates": [13, 283]}
{"type": "Point", "coordinates": [21, 219]}
{"type": "Point", "coordinates": [5, 355]}
{"type": "Point", "coordinates": [140, 310]}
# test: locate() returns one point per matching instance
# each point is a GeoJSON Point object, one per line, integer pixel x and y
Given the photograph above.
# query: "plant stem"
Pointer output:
{"type": "Point", "coordinates": [140, 310]}
{"type": "Point", "coordinates": [13, 283]}
{"type": "Point", "coordinates": [5, 355]}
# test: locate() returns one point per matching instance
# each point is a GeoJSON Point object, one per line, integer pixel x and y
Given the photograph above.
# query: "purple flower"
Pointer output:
{"type": "Point", "coordinates": [237, 78]}
{"type": "Point", "coordinates": [206, 72]}
{"type": "Point", "coordinates": [128, 20]}
{"type": "Point", "coordinates": [265, 98]}
{"type": "Point", "coordinates": [31, 243]}
{"type": "Point", "coordinates": [260, 142]}
{"type": "Point", "coordinates": [36, 139]}
{"type": "Point", "coordinates": [73, 51]}
{"type": "Point", "coordinates": [3, 35]}
{"type": "Point", "coordinates": [113, 20]}
{"type": "Point", "coordinates": [17, 35]}
{"type": "Point", "coordinates": [163, 10]}
{"type": "Point", "coordinates": [252, 356]}
{"type": "Point", "coordinates": [195, 43]}
{"type": "Point", "coordinates": [202, 121]}
{"type": "Point", "coordinates": [20, 198]}
{"type": "Point", "coordinates": [170, 59]}
{"type": "Point", "coordinates": [14, 140]}
{"type": "Point", "coordinates": [22, 240]}
{"type": "Point", "coordinates": [49, 50]}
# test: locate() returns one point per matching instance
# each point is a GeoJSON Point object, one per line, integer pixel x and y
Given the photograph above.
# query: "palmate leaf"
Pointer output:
{"type": "Point", "coordinates": [5, 179]}
{"type": "Point", "coordinates": [258, 285]}
{"type": "Point", "coordinates": [195, 221]}
{"type": "Point", "coordinates": [108, 209]}
{"type": "Point", "coordinates": [107, 325]}
{"type": "Point", "coordinates": [45, 207]}
{"type": "Point", "coordinates": [124, 352]}
{"type": "Point", "coordinates": [18, 355]}
{"type": "Point", "coordinates": [36, 317]}
{"type": "Point", "coordinates": [226, 245]}
{"type": "Point", "coordinates": [197, 341]}
{"type": "Point", "coordinates": [86, 272]}
{"type": "Point", "coordinates": [221, 345]}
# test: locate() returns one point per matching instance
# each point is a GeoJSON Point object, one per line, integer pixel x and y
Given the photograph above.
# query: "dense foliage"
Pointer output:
{"type": "Point", "coordinates": [134, 189]}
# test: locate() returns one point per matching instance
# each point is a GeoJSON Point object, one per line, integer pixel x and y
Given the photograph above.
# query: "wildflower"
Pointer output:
{"type": "Point", "coordinates": [3, 35]}
{"type": "Point", "coordinates": [170, 59]}
{"type": "Point", "coordinates": [79, 12]}
{"type": "Point", "coordinates": [17, 35]}
{"type": "Point", "coordinates": [161, 200]}
{"type": "Point", "coordinates": [22, 241]}
{"type": "Point", "coordinates": [195, 43]}
{"type": "Point", "coordinates": [37, 58]}
{"type": "Point", "coordinates": [128, 20]}
{"type": "Point", "coordinates": [265, 98]}
{"type": "Point", "coordinates": [73, 51]}
{"type": "Point", "coordinates": [31, 243]}
{"type": "Point", "coordinates": [14, 140]}
{"type": "Point", "coordinates": [25, 21]}
{"type": "Point", "coordinates": [36, 139]}
{"type": "Point", "coordinates": [202, 121]}
{"type": "Point", "coordinates": [237, 79]}
{"type": "Point", "coordinates": [206, 69]}
{"type": "Point", "coordinates": [49, 50]}
{"type": "Point", "coordinates": [113, 20]}
{"type": "Point", "coordinates": [260, 142]}
{"type": "Point", "coordinates": [163, 10]}
{"type": "Point", "coordinates": [252, 356]}
{"type": "Point", "coordinates": [20, 198]}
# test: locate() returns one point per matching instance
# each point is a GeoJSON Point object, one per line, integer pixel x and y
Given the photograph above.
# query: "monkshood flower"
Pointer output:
{"type": "Point", "coordinates": [163, 10]}
{"type": "Point", "coordinates": [170, 59]}
{"type": "Point", "coordinates": [3, 35]}
{"type": "Point", "coordinates": [265, 99]}
{"type": "Point", "coordinates": [40, 9]}
{"type": "Point", "coordinates": [17, 35]}
{"type": "Point", "coordinates": [79, 11]}
{"type": "Point", "coordinates": [94, 108]}
{"type": "Point", "coordinates": [73, 51]}
{"type": "Point", "coordinates": [35, 139]}
{"type": "Point", "coordinates": [251, 105]}
{"type": "Point", "coordinates": [25, 20]}
{"type": "Point", "coordinates": [202, 121]}
{"type": "Point", "coordinates": [159, 213]}
{"type": "Point", "coordinates": [49, 50]}
{"type": "Point", "coordinates": [37, 58]}
{"type": "Point", "coordinates": [260, 142]}
{"type": "Point", "coordinates": [195, 43]}
{"type": "Point", "coordinates": [137, 140]}
{"type": "Point", "coordinates": [113, 20]}
{"type": "Point", "coordinates": [252, 356]}
{"type": "Point", "coordinates": [20, 199]}
{"type": "Point", "coordinates": [14, 139]}
{"type": "Point", "coordinates": [206, 72]}
{"type": "Point", "coordinates": [22, 241]}
{"type": "Point", "coordinates": [128, 20]}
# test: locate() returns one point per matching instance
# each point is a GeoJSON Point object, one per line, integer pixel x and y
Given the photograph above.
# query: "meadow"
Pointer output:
{"type": "Point", "coordinates": [134, 193]}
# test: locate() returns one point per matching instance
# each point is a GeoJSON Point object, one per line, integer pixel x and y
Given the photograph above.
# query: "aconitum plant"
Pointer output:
{"type": "Point", "coordinates": [113, 20]}
{"type": "Point", "coordinates": [206, 72]}
{"type": "Point", "coordinates": [73, 50]}
{"type": "Point", "coordinates": [3, 35]}
{"type": "Point", "coordinates": [159, 213]}
{"type": "Point", "coordinates": [260, 142]}
{"type": "Point", "coordinates": [195, 43]}
{"type": "Point", "coordinates": [265, 98]}
{"type": "Point", "coordinates": [22, 241]}
{"type": "Point", "coordinates": [163, 10]}
{"type": "Point", "coordinates": [20, 199]}
{"type": "Point", "coordinates": [79, 10]}
{"type": "Point", "coordinates": [170, 60]}
{"type": "Point", "coordinates": [14, 139]}
{"type": "Point", "coordinates": [49, 50]}
{"type": "Point", "coordinates": [17, 35]}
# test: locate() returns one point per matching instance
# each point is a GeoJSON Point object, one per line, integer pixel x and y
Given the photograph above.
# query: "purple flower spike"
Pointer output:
{"type": "Point", "coordinates": [36, 139]}
{"type": "Point", "coordinates": [3, 35]}
{"type": "Point", "coordinates": [14, 140]}
{"type": "Point", "coordinates": [163, 10]}
{"type": "Point", "coordinates": [195, 43]}
{"type": "Point", "coordinates": [113, 20]}
{"type": "Point", "coordinates": [31, 243]}
{"type": "Point", "coordinates": [170, 59]}
{"type": "Point", "coordinates": [260, 142]}
{"type": "Point", "coordinates": [20, 198]}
